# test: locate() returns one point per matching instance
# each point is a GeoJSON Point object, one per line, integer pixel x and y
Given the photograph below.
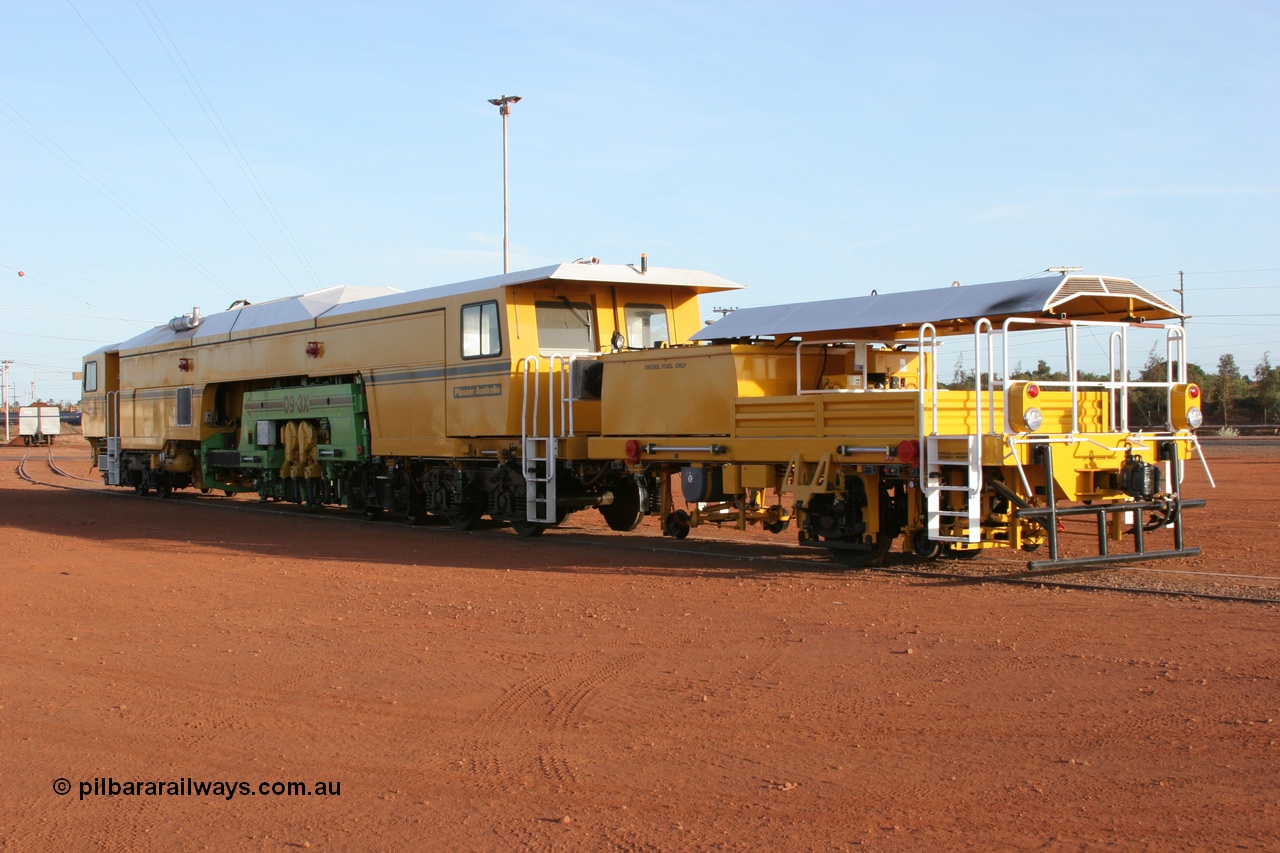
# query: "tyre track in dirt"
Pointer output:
{"type": "Point", "coordinates": [549, 704]}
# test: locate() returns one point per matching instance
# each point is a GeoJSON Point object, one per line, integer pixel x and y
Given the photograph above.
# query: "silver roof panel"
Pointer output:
{"type": "Point", "coordinates": [260, 315]}
{"type": "Point", "coordinates": [346, 299]}
{"type": "Point", "coordinates": [1078, 296]}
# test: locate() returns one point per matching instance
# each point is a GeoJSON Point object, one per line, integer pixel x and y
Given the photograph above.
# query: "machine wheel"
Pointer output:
{"type": "Point", "coordinates": [627, 510]}
{"type": "Point", "coordinates": [924, 547]}
{"type": "Point", "coordinates": [528, 529]}
{"type": "Point", "coordinates": [859, 559]}
{"type": "Point", "coordinates": [164, 490]}
{"type": "Point", "coordinates": [141, 490]}
{"type": "Point", "coordinates": [465, 517]}
{"type": "Point", "coordinates": [676, 524]}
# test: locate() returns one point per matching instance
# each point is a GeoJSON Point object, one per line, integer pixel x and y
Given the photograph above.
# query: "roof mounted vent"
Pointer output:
{"type": "Point", "coordinates": [187, 322]}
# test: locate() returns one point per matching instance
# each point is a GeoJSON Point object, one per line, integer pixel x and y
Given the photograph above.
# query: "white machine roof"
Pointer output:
{"type": "Point", "coordinates": [1078, 296]}
{"type": "Point", "coordinates": [347, 299]}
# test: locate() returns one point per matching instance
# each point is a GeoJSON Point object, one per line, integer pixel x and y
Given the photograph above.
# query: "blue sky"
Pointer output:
{"type": "Point", "coordinates": [807, 150]}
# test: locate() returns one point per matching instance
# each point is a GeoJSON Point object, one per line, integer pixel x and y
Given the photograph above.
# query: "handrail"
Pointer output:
{"type": "Point", "coordinates": [567, 387]}
{"type": "Point", "coordinates": [526, 363]}
{"type": "Point", "coordinates": [555, 374]}
{"type": "Point", "coordinates": [977, 377]}
{"type": "Point", "coordinates": [928, 382]}
{"type": "Point", "coordinates": [1118, 377]}
{"type": "Point", "coordinates": [1116, 346]}
{"type": "Point", "coordinates": [800, 389]}
{"type": "Point", "coordinates": [113, 415]}
{"type": "Point", "coordinates": [1175, 345]}
{"type": "Point", "coordinates": [1073, 375]}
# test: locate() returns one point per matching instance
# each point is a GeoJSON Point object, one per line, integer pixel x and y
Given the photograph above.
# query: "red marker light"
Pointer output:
{"type": "Point", "coordinates": [909, 450]}
{"type": "Point", "coordinates": [1033, 391]}
{"type": "Point", "coordinates": [1193, 391]}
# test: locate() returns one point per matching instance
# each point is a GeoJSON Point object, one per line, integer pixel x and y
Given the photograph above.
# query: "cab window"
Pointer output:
{"type": "Point", "coordinates": [90, 376]}
{"type": "Point", "coordinates": [481, 334]}
{"type": "Point", "coordinates": [646, 325]}
{"type": "Point", "coordinates": [565, 327]}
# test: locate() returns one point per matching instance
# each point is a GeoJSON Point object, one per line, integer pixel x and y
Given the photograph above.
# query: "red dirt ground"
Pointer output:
{"type": "Point", "coordinates": [476, 691]}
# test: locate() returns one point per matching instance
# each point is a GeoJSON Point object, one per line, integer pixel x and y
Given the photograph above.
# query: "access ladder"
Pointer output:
{"type": "Point", "coordinates": [944, 454]}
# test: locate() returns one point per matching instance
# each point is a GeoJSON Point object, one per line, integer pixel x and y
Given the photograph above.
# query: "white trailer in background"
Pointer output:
{"type": "Point", "coordinates": [39, 424]}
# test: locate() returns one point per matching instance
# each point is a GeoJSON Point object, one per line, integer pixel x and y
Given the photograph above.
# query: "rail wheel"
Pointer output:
{"type": "Point", "coordinates": [859, 558]}
{"type": "Point", "coordinates": [630, 498]}
{"type": "Point", "coordinates": [466, 516]}
{"type": "Point", "coordinates": [676, 524]}
{"type": "Point", "coordinates": [406, 500]}
{"type": "Point", "coordinates": [952, 553]}
{"type": "Point", "coordinates": [924, 547]}
{"type": "Point", "coordinates": [528, 529]}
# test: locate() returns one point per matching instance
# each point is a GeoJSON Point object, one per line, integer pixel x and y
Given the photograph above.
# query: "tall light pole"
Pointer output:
{"type": "Point", "coordinates": [504, 106]}
{"type": "Point", "coordinates": [4, 392]}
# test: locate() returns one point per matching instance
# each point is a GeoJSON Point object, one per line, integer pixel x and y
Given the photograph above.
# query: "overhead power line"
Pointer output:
{"type": "Point", "coordinates": [183, 148]}
{"type": "Point", "coordinates": [81, 171]}
{"type": "Point", "coordinates": [219, 127]}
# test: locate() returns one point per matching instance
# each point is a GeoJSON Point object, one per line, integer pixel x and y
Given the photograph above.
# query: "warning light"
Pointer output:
{"type": "Point", "coordinates": [1033, 391]}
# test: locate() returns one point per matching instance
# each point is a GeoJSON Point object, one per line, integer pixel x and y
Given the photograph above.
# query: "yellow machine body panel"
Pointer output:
{"type": "Point", "coordinates": [442, 368]}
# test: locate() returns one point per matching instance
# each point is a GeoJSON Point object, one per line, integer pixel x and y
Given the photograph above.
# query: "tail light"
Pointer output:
{"type": "Point", "coordinates": [1184, 407]}
{"type": "Point", "coordinates": [1024, 415]}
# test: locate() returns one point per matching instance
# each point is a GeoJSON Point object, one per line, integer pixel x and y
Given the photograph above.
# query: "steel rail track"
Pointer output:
{"type": "Point", "coordinates": [21, 471]}
{"type": "Point", "coordinates": [1022, 578]}
{"type": "Point", "coordinates": [57, 469]}
{"type": "Point", "coordinates": [1016, 580]}
{"type": "Point", "coordinates": [1091, 587]}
